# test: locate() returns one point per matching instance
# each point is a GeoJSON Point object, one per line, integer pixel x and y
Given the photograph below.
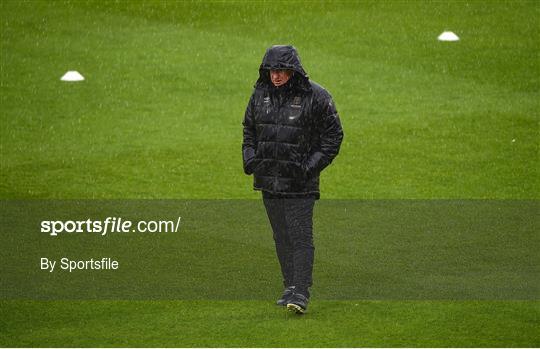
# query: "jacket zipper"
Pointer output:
{"type": "Point", "coordinates": [276, 107]}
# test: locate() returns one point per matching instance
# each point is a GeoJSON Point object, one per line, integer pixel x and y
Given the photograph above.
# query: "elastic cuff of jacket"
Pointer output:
{"type": "Point", "coordinates": [248, 167]}
{"type": "Point", "coordinates": [316, 163]}
{"type": "Point", "coordinates": [249, 156]}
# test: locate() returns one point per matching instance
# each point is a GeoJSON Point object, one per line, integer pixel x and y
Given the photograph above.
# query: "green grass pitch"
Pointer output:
{"type": "Point", "coordinates": [159, 116]}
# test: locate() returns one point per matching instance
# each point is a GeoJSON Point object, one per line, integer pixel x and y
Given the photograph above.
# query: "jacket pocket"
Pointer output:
{"type": "Point", "coordinates": [257, 166]}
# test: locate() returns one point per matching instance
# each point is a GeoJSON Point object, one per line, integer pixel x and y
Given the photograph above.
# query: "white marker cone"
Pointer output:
{"type": "Point", "coordinates": [72, 75]}
{"type": "Point", "coordinates": [448, 36]}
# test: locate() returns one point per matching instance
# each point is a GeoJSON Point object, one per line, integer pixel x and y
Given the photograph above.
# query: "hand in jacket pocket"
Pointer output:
{"type": "Point", "coordinates": [251, 166]}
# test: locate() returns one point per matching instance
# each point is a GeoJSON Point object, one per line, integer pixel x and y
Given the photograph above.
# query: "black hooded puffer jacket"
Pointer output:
{"type": "Point", "coordinates": [291, 132]}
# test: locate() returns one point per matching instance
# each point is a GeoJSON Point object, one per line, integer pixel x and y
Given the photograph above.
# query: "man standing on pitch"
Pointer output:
{"type": "Point", "coordinates": [291, 133]}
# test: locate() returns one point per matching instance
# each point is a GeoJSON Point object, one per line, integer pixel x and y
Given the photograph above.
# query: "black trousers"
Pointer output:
{"type": "Point", "coordinates": [292, 225]}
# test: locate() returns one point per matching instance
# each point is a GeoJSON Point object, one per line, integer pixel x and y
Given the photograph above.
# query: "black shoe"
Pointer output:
{"type": "Point", "coordinates": [287, 294]}
{"type": "Point", "coordinates": [298, 303]}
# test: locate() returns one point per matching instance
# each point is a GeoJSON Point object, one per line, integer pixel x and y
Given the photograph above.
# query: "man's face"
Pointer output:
{"type": "Point", "coordinates": [280, 77]}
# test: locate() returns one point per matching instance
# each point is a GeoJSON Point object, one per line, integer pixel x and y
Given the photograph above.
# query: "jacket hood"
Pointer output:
{"type": "Point", "coordinates": [282, 57]}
